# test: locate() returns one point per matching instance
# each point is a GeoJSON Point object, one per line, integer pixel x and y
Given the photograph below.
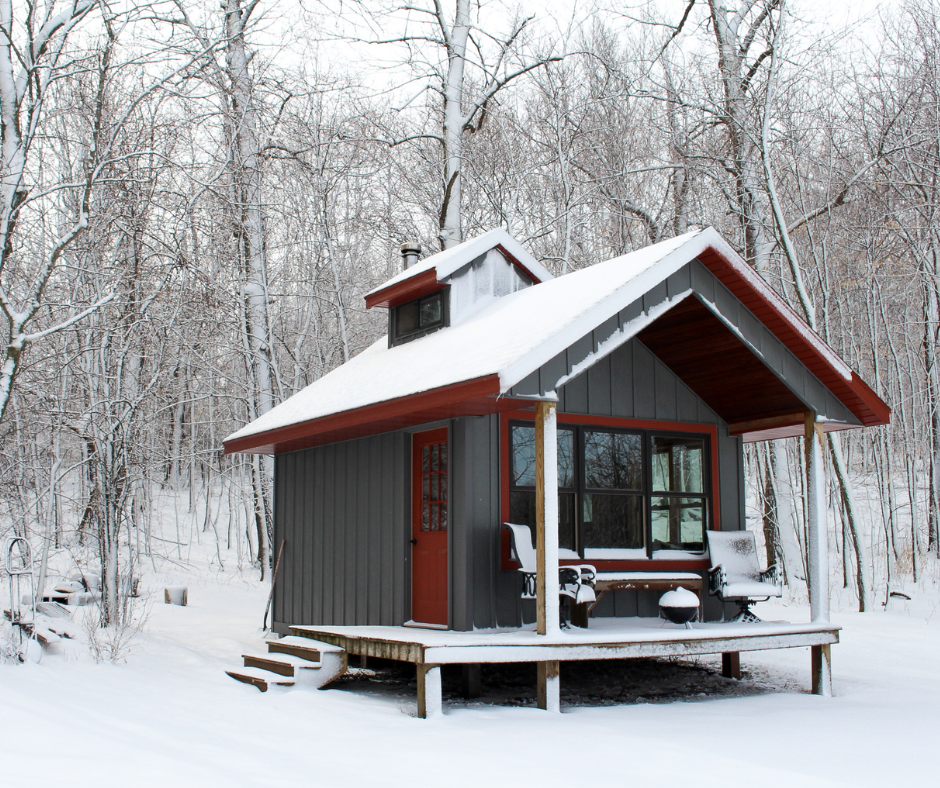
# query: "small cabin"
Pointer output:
{"type": "Point", "coordinates": [395, 472]}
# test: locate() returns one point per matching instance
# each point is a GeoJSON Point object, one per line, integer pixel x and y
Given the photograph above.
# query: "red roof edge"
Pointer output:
{"type": "Point", "coordinates": [779, 317]}
{"type": "Point", "coordinates": [520, 266]}
{"type": "Point", "coordinates": [409, 289]}
{"type": "Point", "coordinates": [380, 417]}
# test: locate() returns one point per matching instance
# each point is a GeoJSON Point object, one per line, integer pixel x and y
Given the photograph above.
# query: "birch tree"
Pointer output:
{"type": "Point", "coordinates": [465, 66]}
{"type": "Point", "coordinates": [227, 60]}
{"type": "Point", "coordinates": [35, 56]}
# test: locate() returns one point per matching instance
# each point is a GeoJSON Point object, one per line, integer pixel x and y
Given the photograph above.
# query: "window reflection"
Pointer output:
{"type": "Point", "coordinates": [613, 461]}
{"type": "Point", "coordinates": [678, 523]}
{"type": "Point", "coordinates": [678, 464]}
{"type": "Point", "coordinates": [523, 457]}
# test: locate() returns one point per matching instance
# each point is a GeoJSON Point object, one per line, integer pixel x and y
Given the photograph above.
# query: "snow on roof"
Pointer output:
{"type": "Point", "coordinates": [448, 261]}
{"type": "Point", "coordinates": [512, 337]}
{"type": "Point", "coordinates": [516, 334]}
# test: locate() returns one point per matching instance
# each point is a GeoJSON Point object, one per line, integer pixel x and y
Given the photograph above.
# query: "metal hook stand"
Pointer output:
{"type": "Point", "coordinates": [19, 565]}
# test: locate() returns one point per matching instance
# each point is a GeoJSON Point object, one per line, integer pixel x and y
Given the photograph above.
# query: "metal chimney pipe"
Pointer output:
{"type": "Point", "coordinates": [410, 250]}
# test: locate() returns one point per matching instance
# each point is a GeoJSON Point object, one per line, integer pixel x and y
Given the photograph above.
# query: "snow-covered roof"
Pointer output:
{"type": "Point", "coordinates": [445, 263]}
{"type": "Point", "coordinates": [516, 334]}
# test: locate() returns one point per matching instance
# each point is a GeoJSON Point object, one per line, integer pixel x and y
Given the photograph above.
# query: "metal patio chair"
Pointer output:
{"type": "Point", "coordinates": [736, 576]}
{"type": "Point", "coordinates": [575, 582]}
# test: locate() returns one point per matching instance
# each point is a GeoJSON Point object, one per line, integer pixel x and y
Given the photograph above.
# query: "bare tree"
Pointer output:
{"type": "Point", "coordinates": [465, 66]}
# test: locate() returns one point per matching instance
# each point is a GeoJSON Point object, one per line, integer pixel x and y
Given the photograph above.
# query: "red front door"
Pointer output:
{"type": "Point", "coordinates": [429, 527]}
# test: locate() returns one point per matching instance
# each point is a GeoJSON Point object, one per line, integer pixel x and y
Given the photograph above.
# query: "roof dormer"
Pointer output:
{"type": "Point", "coordinates": [450, 286]}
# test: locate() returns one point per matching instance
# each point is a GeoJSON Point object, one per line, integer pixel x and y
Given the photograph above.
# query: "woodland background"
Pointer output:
{"type": "Point", "coordinates": [195, 198]}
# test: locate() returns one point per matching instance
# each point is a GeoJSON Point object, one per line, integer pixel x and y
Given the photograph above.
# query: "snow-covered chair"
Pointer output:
{"type": "Point", "coordinates": [736, 575]}
{"type": "Point", "coordinates": [575, 582]}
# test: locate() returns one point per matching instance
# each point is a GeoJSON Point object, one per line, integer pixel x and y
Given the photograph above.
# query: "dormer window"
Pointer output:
{"type": "Point", "coordinates": [416, 318]}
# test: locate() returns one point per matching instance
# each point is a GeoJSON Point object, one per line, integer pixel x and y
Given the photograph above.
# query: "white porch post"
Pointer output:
{"type": "Point", "coordinates": [546, 546]}
{"type": "Point", "coordinates": [817, 537]}
{"type": "Point", "coordinates": [817, 531]}
{"type": "Point", "coordinates": [546, 517]}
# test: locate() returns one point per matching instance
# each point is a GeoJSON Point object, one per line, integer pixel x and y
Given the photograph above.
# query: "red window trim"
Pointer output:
{"type": "Point", "coordinates": [683, 564]}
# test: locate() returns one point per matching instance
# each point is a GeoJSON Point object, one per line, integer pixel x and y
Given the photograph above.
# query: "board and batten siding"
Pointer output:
{"type": "Point", "coordinates": [341, 510]}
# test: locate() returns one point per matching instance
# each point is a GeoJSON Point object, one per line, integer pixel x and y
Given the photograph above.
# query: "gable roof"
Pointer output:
{"type": "Point", "coordinates": [427, 275]}
{"type": "Point", "coordinates": [470, 367]}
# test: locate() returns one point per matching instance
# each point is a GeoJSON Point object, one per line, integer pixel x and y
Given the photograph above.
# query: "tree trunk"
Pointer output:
{"type": "Point", "coordinates": [451, 231]}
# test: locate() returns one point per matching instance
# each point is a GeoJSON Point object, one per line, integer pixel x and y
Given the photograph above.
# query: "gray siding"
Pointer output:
{"type": "Point", "coordinates": [483, 595]}
{"type": "Point", "coordinates": [341, 510]}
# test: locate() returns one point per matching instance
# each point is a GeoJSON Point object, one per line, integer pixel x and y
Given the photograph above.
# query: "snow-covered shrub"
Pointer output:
{"type": "Point", "coordinates": [114, 642]}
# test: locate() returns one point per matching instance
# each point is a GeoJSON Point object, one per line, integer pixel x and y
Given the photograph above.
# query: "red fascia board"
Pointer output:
{"type": "Point", "coordinates": [532, 277]}
{"type": "Point", "coordinates": [416, 286]}
{"type": "Point", "coordinates": [855, 394]}
{"type": "Point", "coordinates": [469, 398]}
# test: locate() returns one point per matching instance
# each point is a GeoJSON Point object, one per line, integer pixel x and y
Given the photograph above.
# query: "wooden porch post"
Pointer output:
{"type": "Point", "coordinates": [546, 517]}
{"type": "Point", "coordinates": [817, 531]}
{"type": "Point", "coordinates": [546, 546]}
{"type": "Point", "coordinates": [817, 536]}
{"type": "Point", "coordinates": [549, 687]}
{"type": "Point", "coordinates": [822, 670]}
{"type": "Point", "coordinates": [430, 695]}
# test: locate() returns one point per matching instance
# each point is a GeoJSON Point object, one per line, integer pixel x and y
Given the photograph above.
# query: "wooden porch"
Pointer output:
{"type": "Point", "coordinates": [607, 638]}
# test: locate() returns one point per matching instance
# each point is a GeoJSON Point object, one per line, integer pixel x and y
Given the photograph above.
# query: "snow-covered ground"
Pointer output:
{"type": "Point", "coordinates": [169, 716]}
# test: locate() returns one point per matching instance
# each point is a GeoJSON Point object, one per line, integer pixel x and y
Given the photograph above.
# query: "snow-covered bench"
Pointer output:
{"type": "Point", "coordinates": [641, 581]}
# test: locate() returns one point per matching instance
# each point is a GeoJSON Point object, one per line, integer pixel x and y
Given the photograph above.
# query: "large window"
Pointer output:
{"type": "Point", "coordinates": [621, 493]}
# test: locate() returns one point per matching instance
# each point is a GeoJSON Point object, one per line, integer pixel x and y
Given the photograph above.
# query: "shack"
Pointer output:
{"type": "Point", "coordinates": [644, 376]}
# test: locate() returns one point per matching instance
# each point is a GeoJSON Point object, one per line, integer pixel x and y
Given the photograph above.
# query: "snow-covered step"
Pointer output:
{"type": "Point", "coordinates": [283, 664]}
{"type": "Point", "coordinates": [262, 679]}
{"type": "Point", "coordinates": [290, 658]}
{"type": "Point", "coordinates": [331, 659]}
{"type": "Point", "coordinates": [302, 647]}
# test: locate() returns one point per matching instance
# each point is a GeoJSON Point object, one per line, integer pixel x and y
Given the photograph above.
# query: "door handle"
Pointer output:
{"type": "Point", "coordinates": [414, 542]}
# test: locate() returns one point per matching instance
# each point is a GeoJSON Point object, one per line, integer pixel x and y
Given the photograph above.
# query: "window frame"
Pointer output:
{"type": "Point", "coordinates": [648, 429]}
{"type": "Point", "coordinates": [397, 338]}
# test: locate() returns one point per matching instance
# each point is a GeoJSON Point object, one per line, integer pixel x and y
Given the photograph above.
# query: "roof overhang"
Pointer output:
{"type": "Point", "coordinates": [726, 373]}
{"type": "Point", "coordinates": [479, 397]}
{"type": "Point", "coordinates": [770, 308]}
{"type": "Point", "coordinates": [421, 284]}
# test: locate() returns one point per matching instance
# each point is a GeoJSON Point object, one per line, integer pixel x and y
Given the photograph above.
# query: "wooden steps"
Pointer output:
{"type": "Point", "coordinates": [262, 679]}
{"type": "Point", "coordinates": [289, 661]}
{"type": "Point", "coordinates": [298, 647]}
{"type": "Point", "coordinates": [282, 664]}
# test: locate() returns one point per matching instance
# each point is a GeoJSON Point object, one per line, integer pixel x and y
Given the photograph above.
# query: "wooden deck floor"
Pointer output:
{"type": "Point", "coordinates": [613, 638]}
{"type": "Point", "coordinates": [607, 638]}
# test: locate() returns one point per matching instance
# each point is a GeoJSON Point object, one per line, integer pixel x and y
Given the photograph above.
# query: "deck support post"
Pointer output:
{"type": "Point", "coordinates": [731, 664]}
{"type": "Point", "coordinates": [817, 528]}
{"type": "Point", "coordinates": [822, 670]}
{"type": "Point", "coordinates": [471, 680]}
{"type": "Point", "coordinates": [546, 517]}
{"type": "Point", "coordinates": [549, 686]}
{"type": "Point", "coordinates": [430, 695]}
